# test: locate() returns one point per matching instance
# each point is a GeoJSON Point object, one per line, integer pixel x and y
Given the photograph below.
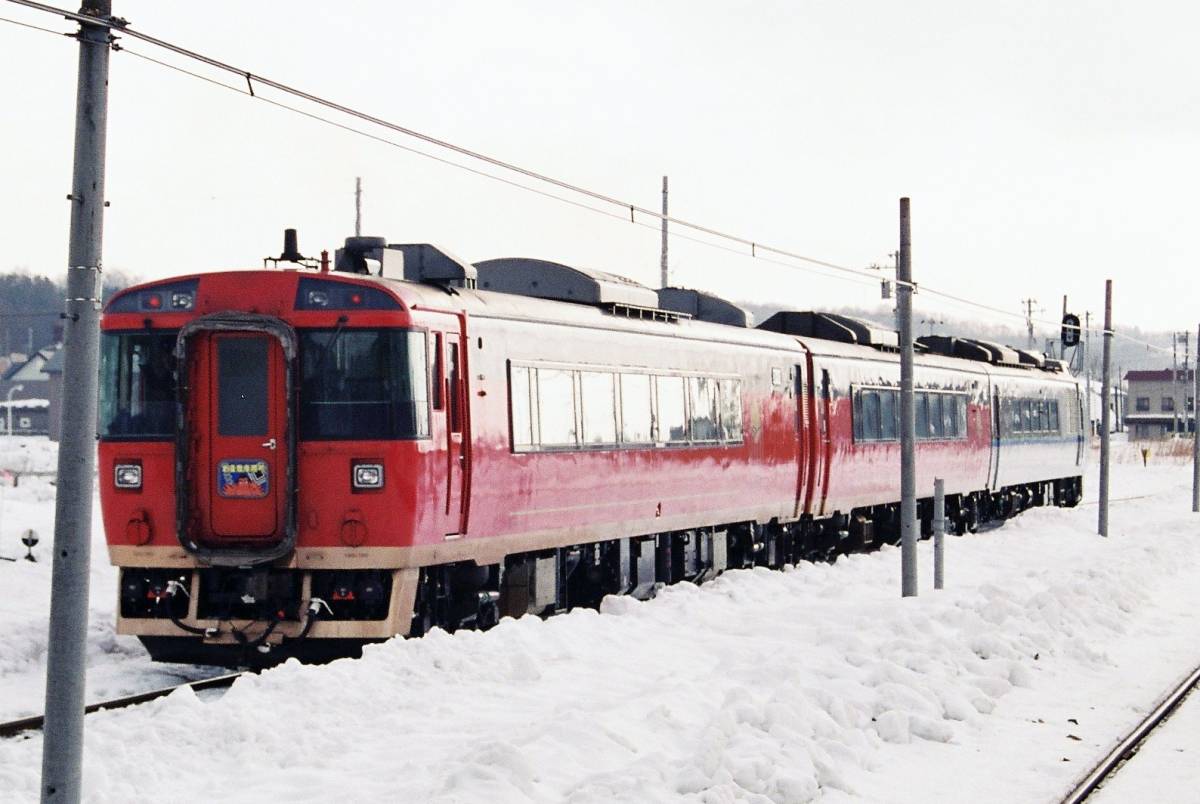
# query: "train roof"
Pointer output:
{"type": "Point", "coordinates": [523, 289]}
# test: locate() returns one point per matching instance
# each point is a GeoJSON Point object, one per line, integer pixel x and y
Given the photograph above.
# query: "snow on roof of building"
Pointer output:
{"type": "Point", "coordinates": [27, 404]}
{"type": "Point", "coordinates": [1160, 375]}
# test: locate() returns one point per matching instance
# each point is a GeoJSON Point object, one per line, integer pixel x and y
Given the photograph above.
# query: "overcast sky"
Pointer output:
{"type": "Point", "coordinates": [1045, 146]}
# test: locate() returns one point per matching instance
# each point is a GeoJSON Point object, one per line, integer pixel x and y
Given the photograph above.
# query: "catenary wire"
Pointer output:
{"type": "Point", "coordinates": [35, 27]}
{"type": "Point", "coordinates": [250, 77]}
{"type": "Point", "coordinates": [862, 275]}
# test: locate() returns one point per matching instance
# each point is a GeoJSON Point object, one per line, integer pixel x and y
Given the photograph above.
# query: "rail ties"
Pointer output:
{"type": "Point", "coordinates": [34, 723]}
{"type": "Point", "coordinates": [1129, 745]}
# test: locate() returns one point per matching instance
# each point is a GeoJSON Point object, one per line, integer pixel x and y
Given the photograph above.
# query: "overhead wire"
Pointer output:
{"type": "Point", "coordinates": [34, 27]}
{"type": "Point", "coordinates": [860, 274]}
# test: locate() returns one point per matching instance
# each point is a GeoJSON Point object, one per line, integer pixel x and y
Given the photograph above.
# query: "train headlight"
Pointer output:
{"type": "Point", "coordinates": [368, 475]}
{"type": "Point", "coordinates": [318, 298]}
{"type": "Point", "coordinates": [127, 476]}
{"type": "Point", "coordinates": [182, 301]}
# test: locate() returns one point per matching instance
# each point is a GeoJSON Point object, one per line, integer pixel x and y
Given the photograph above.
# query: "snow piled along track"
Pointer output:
{"type": "Point", "coordinates": [818, 682]}
{"type": "Point", "coordinates": [116, 665]}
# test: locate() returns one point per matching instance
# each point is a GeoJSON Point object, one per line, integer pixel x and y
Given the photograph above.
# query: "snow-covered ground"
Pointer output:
{"type": "Point", "coordinates": [818, 682]}
{"type": "Point", "coordinates": [1166, 767]}
{"type": "Point", "coordinates": [116, 665]}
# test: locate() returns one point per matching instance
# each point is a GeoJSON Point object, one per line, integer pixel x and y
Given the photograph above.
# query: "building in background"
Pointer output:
{"type": "Point", "coordinates": [1160, 403]}
{"type": "Point", "coordinates": [54, 392]}
{"type": "Point", "coordinates": [29, 374]}
{"type": "Point", "coordinates": [29, 417]}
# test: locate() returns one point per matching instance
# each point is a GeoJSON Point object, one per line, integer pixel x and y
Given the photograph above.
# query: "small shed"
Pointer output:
{"type": "Point", "coordinates": [29, 416]}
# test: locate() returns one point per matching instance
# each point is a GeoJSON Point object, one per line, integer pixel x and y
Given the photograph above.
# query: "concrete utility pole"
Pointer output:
{"type": "Point", "coordinates": [1180, 379]}
{"type": "Point", "coordinates": [939, 533]}
{"type": "Point", "coordinates": [1104, 413]}
{"type": "Point", "coordinates": [62, 748]}
{"type": "Point", "coordinates": [664, 280]}
{"type": "Point", "coordinates": [908, 461]}
{"type": "Point", "coordinates": [358, 206]}
{"type": "Point", "coordinates": [1196, 429]}
{"type": "Point", "coordinates": [1174, 383]}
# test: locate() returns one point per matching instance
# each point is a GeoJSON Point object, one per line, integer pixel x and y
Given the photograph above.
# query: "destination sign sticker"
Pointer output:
{"type": "Point", "coordinates": [243, 479]}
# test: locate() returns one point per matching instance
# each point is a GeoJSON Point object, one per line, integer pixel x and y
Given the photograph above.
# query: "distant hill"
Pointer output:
{"type": "Point", "coordinates": [31, 304]}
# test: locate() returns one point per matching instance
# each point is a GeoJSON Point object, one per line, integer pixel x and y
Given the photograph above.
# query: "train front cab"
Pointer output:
{"type": "Point", "coordinates": [263, 501]}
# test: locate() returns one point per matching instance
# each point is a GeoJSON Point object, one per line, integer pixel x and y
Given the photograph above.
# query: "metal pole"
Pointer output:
{"type": "Point", "coordinates": [1104, 411]}
{"type": "Point", "coordinates": [939, 532]}
{"type": "Point", "coordinates": [1195, 429]}
{"type": "Point", "coordinates": [663, 279]}
{"type": "Point", "coordinates": [11, 391]}
{"type": "Point", "coordinates": [908, 461]}
{"type": "Point", "coordinates": [1087, 367]}
{"type": "Point", "coordinates": [358, 206]}
{"type": "Point", "coordinates": [1174, 383]}
{"type": "Point", "coordinates": [62, 748]}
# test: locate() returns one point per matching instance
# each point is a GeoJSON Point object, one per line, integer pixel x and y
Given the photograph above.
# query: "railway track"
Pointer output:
{"type": "Point", "coordinates": [1131, 742]}
{"type": "Point", "coordinates": [14, 727]}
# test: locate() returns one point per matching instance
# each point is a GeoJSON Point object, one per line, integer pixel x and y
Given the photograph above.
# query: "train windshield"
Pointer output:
{"type": "Point", "coordinates": [363, 384]}
{"type": "Point", "coordinates": [137, 384]}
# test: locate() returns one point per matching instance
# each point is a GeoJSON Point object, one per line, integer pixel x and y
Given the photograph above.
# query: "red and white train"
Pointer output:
{"type": "Point", "coordinates": [295, 461]}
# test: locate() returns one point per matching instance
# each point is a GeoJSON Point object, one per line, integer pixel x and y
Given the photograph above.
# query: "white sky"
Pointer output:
{"type": "Point", "coordinates": [1046, 146]}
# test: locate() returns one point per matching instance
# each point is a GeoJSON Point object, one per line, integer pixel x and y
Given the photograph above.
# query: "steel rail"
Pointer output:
{"type": "Point", "coordinates": [34, 723]}
{"type": "Point", "coordinates": [1132, 741]}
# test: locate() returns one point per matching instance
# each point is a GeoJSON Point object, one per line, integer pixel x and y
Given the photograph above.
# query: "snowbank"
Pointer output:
{"type": "Point", "coordinates": [116, 665]}
{"type": "Point", "coordinates": [819, 682]}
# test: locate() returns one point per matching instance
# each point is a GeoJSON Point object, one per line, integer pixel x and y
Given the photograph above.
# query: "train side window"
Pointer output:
{"type": "Point", "coordinates": [961, 406]}
{"type": "Point", "coordinates": [731, 410]}
{"type": "Point", "coordinates": [870, 409]}
{"type": "Point", "coordinates": [1014, 406]}
{"type": "Point", "coordinates": [439, 372]}
{"type": "Point", "coordinates": [556, 408]}
{"type": "Point", "coordinates": [937, 425]}
{"type": "Point", "coordinates": [598, 396]}
{"type": "Point", "coordinates": [1054, 416]}
{"type": "Point", "coordinates": [521, 404]}
{"type": "Point", "coordinates": [672, 410]}
{"type": "Point", "coordinates": [1040, 416]}
{"type": "Point", "coordinates": [1026, 416]}
{"type": "Point", "coordinates": [705, 409]}
{"type": "Point", "coordinates": [453, 389]}
{"type": "Point", "coordinates": [858, 415]}
{"type": "Point", "coordinates": [412, 407]}
{"type": "Point", "coordinates": [889, 415]}
{"type": "Point", "coordinates": [637, 409]}
{"type": "Point", "coordinates": [949, 417]}
{"type": "Point", "coordinates": [921, 405]}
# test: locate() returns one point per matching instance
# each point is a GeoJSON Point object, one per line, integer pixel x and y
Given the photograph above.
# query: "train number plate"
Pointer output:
{"type": "Point", "coordinates": [243, 479]}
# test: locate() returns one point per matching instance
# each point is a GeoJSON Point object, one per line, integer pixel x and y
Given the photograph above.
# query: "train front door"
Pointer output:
{"type": "Point", "coordinates": [238, 411]}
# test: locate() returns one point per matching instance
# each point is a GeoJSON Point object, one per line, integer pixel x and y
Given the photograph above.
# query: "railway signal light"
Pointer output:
{"type": "Point", "coordinates": [1070, 330]}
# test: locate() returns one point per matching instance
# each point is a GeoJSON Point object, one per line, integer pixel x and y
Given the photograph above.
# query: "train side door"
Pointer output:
{"type": "Point", "coordinates": [800, 393]}
{"type": "Point", "coordinates": [240, 451]}
{"type": "Point", "coordinates": [825, 406]}
{"type": "Point", "coordinates": [457, 449]}
{"type": "Point", "coordinates": [1077, 416]}
{"type": "Point", "coordinates": [995, 440]}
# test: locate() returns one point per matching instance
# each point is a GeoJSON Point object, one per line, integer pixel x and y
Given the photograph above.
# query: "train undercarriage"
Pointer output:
{"type": "Point", "coordinates": [323, 615]}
